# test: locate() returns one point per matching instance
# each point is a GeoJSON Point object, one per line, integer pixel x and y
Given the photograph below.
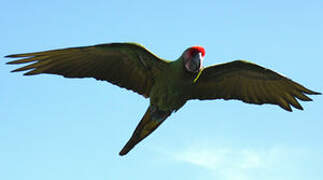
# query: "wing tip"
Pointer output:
{"type": "Point", "coordinates": [13, 62]}
{"type": "Point", "coordinates": [310, 92]}
{"type": "Point", "coordinates": [16, 70]}
{"type": "Point", "coordinates": [285, 107]}
{"type": "Point", "coordinates": [299, 108]}
{"type": "Point", "coordinates": [10, 56]}
{"type": "Point", "coordinates": [289, 110]}
{"type": "Point", "coordinates": [316, 93]}
{"type": "Point", "coordinates": [15, 55]}
{"type": "Point", "coordinates": [29, 73]}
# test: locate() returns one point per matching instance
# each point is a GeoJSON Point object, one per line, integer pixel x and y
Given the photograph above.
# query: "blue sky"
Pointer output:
{"type": "Point", "coordinates": [56, 128]}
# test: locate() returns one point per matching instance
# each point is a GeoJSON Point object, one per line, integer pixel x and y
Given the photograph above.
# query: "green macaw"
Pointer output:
{"type": "Point", "coordinates": [168, 84]}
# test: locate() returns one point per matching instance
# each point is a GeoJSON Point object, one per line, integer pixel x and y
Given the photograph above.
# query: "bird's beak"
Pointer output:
{"type": "Point", "coordinates": [195, 63]}
{"type": "Point", "coordinates": [198, 61]}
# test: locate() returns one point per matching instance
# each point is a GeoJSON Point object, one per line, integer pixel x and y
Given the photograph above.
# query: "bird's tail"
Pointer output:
{"type": "Point", "coordinates": [149, 122]}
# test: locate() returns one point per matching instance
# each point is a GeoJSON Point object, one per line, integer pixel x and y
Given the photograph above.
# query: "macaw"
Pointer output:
{"type": "Point", "coordinates": [168, 84]}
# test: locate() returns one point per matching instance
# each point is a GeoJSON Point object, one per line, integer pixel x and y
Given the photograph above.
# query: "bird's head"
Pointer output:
{"type": "Point", "coordinates": [193, 59]}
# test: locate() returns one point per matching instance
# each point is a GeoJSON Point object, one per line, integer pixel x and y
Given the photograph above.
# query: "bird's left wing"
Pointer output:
{"type": "Point", "coordinates": [127, 65]}
{"type": "Point", "coordinates": [250, 83]}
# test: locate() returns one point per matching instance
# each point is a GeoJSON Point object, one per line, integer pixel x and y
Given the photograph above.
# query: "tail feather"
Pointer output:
{"type": "Point", "coordinates": [149, 122]}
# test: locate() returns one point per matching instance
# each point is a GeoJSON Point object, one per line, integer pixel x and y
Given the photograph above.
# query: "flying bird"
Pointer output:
{"type": "Point", "coordinates": [168, 84]}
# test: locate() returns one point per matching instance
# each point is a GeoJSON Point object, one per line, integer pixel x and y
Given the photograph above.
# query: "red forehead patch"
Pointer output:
{"type": "Point", "coordinates": [199, 49]}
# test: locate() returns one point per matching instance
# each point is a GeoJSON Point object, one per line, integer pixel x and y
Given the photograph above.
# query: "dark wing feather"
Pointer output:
{"type": "Point", "coordinates": [127, 65]}
{"type": "Point", "coordinates": [250, 83]}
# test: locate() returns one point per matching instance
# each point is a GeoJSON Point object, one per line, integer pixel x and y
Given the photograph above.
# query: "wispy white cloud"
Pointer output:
{"type": "Point", "coordinates": [247, 163]}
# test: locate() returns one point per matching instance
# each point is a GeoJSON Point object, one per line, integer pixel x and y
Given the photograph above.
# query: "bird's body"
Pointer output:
{"type": "Point", "coordinates": [168, 84]}
{"type": "Point", "coordinates": [169, 94]}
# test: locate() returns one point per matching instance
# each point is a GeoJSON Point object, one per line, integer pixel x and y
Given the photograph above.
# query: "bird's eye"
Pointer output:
{"type": "Point", "coordinates": [193, 52]}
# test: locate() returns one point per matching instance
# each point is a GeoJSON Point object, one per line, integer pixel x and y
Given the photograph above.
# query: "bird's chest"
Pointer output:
{"type": "Point", "coordinates": [168, 93]}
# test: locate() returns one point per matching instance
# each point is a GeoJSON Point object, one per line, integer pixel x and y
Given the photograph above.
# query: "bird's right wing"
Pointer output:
{"type": "Point", "coordinates": [127, 65]}
{"type": "Point", "coordinates": [250, 83]}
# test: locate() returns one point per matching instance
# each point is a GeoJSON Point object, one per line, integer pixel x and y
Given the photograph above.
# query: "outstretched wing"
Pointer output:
{"type": "Point", "coordinates": [250, 83]}
{"type": "Point", "coordinates": [127, 65]}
